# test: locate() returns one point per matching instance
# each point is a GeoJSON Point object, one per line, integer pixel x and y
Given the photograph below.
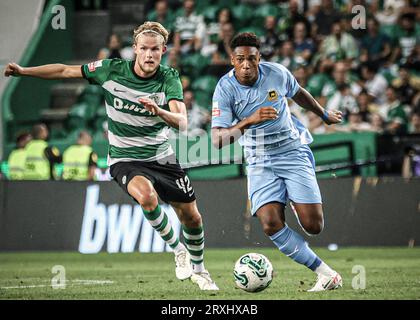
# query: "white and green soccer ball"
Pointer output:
{"type": "Point", "coordinates": [253, 272]}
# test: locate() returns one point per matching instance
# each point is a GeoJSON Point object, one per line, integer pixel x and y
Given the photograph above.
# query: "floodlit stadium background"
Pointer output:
{"type": "Point", "coordinates": [368, 167]}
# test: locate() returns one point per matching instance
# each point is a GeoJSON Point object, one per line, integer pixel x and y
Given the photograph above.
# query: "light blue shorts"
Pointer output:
{"type": "Point", "coordinates": [280, 177]}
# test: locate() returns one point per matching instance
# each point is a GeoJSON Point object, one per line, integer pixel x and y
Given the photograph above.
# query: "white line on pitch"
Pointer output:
{"type": "Point", "coordinates": [75, 282]}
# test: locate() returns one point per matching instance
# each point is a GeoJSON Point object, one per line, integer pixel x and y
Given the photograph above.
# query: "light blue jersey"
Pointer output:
{"type": "Point", "coordinates": [232, 102]}
{"type": "Point", "coordinates": [280, 164]}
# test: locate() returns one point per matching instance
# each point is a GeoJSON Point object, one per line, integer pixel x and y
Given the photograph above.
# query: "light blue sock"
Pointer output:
{"type": "Point", "coordinates": [294, 246]}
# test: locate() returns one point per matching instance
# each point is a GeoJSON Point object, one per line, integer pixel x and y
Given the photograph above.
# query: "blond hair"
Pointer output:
{"type": "Point", "coordinates": [151, 28]}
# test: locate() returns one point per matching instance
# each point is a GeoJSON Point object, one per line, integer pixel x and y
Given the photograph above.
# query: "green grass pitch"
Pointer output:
{"type": "Point", "coordinates": [391, 273]}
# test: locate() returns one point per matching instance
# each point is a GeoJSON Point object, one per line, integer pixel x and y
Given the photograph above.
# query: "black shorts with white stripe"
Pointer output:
{"type": "Point", "coordinates": [168, 178]}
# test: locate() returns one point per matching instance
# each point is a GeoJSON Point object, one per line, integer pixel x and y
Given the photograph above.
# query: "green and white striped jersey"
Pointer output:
{"type": "Point", "coordinates": [133, 132]}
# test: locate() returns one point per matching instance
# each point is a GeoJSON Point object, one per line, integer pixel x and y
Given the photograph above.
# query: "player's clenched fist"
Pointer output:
{"type": "Point", "coordinates": [13, 69]}
{"type": "Point", "coordinates": [263, 114]}
{"type": "Point", "coordinates": [334, 116]}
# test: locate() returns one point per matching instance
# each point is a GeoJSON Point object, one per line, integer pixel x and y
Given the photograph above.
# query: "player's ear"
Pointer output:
{"type": "Point", "coordinates": [231, 60]}
{"type": "Point", "coordinates": [164, 48]}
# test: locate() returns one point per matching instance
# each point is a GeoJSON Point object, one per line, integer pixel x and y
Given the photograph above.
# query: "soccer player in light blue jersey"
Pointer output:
{"type": "Point", "coordinates": [250, 104]}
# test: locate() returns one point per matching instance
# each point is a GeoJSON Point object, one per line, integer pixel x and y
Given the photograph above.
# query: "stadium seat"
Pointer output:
{"type": "Point", "coordinates": [203, 99]}
{"type": "Point", "coordinates": [258, 31]}
{"type": "Point", "coordinates": [210, 13]}
{"type": "Point", "coordinates": [79, 116]}
{"type": "Point", "coordinates": [194, 64]}
{"type": "Point", "coordinates": [92, 95]}
{"type": "Point", "coordinates": [242, 15]}
{"type": "Point", "coordinates": [265, 10]}
{"type": "Point", "coordinates": [205, 83]}
{"type": "Point", "coordinates": [99, 119]}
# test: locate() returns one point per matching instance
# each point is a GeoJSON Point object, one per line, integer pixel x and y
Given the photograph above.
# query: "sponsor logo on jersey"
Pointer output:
{"type": "Point", "coordinates": [93, 65]}
{"type": "Point", "coordinates": [215, 112]}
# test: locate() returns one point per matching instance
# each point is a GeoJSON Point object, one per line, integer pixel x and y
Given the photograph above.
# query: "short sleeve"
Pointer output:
{"type": "Point", "coordinates": [292, 86]}
{"type": "Point", "coordinates": [173, 87]}
{"type": "Point", "coordinates": [97, 72]}
{"type": "Point", "coordinates": [222, 115]}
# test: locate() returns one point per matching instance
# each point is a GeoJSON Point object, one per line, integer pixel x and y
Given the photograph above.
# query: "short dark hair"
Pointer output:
{"type": "Point", "coordinates": [37, 129]}
{"type": "Point", "coordinates": [245, 39]}
{"type": "Point", "coordinates": [22, 136]}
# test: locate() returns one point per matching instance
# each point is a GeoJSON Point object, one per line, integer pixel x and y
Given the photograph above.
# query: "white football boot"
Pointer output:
{"type": "Point", "coordinates": [204, 281]}
{"type": "Point", "coordinates": [183, 268]}
{"type": "Point", "coordinates": [324, 283]}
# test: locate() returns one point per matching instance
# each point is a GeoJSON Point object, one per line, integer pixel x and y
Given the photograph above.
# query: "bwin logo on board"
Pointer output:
{"type": "Point", "coordinates": [120, 228]}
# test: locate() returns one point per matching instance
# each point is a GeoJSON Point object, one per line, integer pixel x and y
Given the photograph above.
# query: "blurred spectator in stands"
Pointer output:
{"type": "Point", "coordinates": [325, 18]}
{"type": "Point", "coordinates": [355, 123]}
{"type": "Point", "coordinates": [172, 59]}
{"type": "Point", "coordinates": [406, 85]}
{"type": "Point", "coordinates": [301, 75]}
{"type": "Point", "coordinates": [214, 29]}
{"type": "Point", "coordinates": [341, 77]}
{"type": "Point", "coordinates": [414, 126]}
{"type": "Point", "coordinates": [374, 82]}
{"type": "Point", "coordinates": [41, 158]}
{"type": "Point", "coordinates": [375, 46]}
{"type": "Point", "coordinates": [293, 16]}
{"type": "Point", "coordinates": [339, 45]}
{"type": "Point", "coordinates": [377, 123]}
{"type": "Point", "coordinates": [304, 46]}
{"type": "Point", "coordinates": [406, 37]}
{"type": "Point", "coordinates": [185, 82]}
{"type": "Point", "coordinates": [364, 106]}
{"type": "Point", "coordinates": [270, 40]}
{"type": "Point", "coordinates": [287, 56]}
{"type": "Point", "coordinates": [164, 15]}
{"type": "Point", "coordinates": [413, 60]}
{"type": "Point", "coordinates": [189, 30]}
{"type": "Point", "coordinates": [391, 10]}
{"type": "Point", "coordinates": [321, 80]}
{"type": "Point", "coordinates": [79, 160]}
{"type": "Point", "coordinates": [411, 162]}
{"type": "Point", "coordinates": [220, 60]}
{"type": "Point", "coordinates": [198, 117]}
{"type": "Point", "coordinates": [343, 100]}
{"type": "Point", "coordinates": [115, 50]}
{"type": "Point", "coordinates": [17, 157]}
{"type": "Point", "coordinates": [396, 118]}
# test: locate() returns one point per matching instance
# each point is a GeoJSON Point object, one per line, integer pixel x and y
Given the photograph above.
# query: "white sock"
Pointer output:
{"type": "Point", "coordinates": [324, 270]}
{"type": "Point", "coordinates": [179, 247]}
{"type": "Point", "coordinates": [197, 268]}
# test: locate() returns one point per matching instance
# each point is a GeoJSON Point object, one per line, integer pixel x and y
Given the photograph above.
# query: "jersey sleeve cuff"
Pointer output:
{"type": "Point", "coordinates": [176, 99]}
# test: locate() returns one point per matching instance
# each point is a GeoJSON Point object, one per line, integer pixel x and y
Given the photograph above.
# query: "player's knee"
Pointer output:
{"type": "Point", "coordinates": [271, 227]}
{"type": "Point", "coordinates": [314, 227]}
{"type": "Point", "coordinates": [192, 220]}
{"type": "Point", "coordinates": [146, 196]}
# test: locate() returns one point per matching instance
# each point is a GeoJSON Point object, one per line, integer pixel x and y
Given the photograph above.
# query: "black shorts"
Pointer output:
{"type": "Point", "coordinates": [169, 179]}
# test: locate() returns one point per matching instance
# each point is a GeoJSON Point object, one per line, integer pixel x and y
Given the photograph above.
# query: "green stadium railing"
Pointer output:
{"type": "Point", "coordinates": [24, 98]}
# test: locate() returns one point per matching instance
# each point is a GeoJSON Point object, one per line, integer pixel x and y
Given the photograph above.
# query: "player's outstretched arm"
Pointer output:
{"type": "Point", "coordinates": [307, 101]}
{"type": "Point", "coordinates": [48, 71]}
{"type": "Point", "coordinates": [224, 136]}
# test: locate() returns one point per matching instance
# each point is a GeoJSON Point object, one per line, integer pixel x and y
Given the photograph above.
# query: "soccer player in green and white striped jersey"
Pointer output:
{"type": "Point", "coordinates": [143, 100]}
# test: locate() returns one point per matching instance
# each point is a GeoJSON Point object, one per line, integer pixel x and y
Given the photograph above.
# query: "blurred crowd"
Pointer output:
{"type": "Point", "coordinates": [361, 57]}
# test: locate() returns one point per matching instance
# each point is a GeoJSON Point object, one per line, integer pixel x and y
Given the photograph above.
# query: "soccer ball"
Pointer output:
{"type": "Point", "coordinates": [253, 272]}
